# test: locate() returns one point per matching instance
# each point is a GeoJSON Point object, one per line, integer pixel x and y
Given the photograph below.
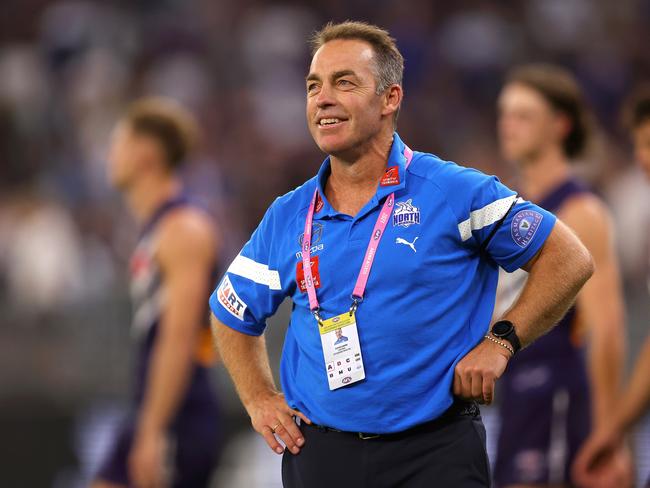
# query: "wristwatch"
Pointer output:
{"type": "Point", "coordinates": [505, 330]}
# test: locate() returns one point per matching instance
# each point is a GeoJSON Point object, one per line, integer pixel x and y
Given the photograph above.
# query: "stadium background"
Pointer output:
{"type": "Point", "coordinates": [67, 70]}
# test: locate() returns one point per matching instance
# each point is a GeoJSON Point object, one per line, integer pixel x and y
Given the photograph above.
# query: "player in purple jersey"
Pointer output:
{"type": "Point", "coordinates": [557, 390]}
{"type": "Point", "coordinates": [635, 400]}
{"type": "Point", "coordinates": [171, 438]}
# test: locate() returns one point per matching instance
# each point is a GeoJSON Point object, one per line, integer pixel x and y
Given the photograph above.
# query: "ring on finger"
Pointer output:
{"type": "Point", "coordinates": [275, 427]}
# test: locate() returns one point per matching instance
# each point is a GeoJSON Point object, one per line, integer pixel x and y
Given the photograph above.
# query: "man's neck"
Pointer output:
{"type": "Point", "coordinates": [145, 196]}
{"type": "Point", "coordinates": [353, 179]}
{"type": "Point", "coordinates": [544, 173]}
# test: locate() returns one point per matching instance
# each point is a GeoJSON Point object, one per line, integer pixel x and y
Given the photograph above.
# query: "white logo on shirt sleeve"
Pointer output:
{"type": "Point", "coordinates": [524, 226]}
{"type": "Point", "coordinates": [230, 300]}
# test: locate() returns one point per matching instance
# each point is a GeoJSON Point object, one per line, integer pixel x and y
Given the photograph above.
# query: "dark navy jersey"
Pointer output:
{"type": "Point", "coordinates": [546, 407]}
{"type": "Point", "coordinates": [148, 299]}
{"type": "Point", "coordinates": [194, 432]}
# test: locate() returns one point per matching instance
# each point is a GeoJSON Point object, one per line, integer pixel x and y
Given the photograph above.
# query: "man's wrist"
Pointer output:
{"type": "Point", "coordinates": [261, 395]}
{"type": "Point", "coordinates": [504, 331]}
{"type": "Point", "coordinates": [502, 344]}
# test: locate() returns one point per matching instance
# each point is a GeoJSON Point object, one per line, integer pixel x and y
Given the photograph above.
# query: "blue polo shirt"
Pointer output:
{"type": "Point", "coordinates": [429, 297]}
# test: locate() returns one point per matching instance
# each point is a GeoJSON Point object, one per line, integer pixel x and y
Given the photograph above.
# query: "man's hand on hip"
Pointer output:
{"type": "Point", "coordinates": [476, 374]}
{"type": "Point", "coordinates": [272, 418]}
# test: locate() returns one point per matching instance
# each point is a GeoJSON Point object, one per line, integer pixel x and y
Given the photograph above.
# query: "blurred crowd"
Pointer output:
{"type": "Point", "coordinates": [68, 68]}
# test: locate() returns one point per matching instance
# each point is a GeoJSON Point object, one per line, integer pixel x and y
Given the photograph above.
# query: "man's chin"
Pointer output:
{"type": "Point", "coordinates": [334, 147]}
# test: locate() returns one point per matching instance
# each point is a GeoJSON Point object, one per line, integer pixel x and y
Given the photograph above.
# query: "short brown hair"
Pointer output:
{"type": "Point", "coordinates": [166, 121]}
{"type": "Point", "coordinates": [389, 63]}
{"type": "Point", "coordinates": [637, 107]}
{"type": "Point", "coordinates": [562, 92]}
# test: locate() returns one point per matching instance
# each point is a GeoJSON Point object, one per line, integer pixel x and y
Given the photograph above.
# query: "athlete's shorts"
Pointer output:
{"type": "Point", "coordinates": [194, 443]}
{"type": "Point", "coordinates": [545, 416]}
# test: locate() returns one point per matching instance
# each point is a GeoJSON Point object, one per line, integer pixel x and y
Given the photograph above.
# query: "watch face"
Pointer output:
{"type": "Point", "coordinates": [503, 328]}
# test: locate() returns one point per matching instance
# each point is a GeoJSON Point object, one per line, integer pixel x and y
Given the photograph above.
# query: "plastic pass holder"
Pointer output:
{"type": "Point", "coordinates": [341, 350]}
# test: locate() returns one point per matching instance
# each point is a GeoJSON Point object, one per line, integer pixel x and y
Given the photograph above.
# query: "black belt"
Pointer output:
{"type": "Point", "coordinates": [459, 408]}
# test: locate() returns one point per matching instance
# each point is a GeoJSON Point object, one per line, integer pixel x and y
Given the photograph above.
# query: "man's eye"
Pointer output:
{"type": "Point", "coordinates": [345, 83]}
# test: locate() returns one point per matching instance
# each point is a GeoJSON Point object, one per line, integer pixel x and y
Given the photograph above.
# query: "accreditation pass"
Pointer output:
{"type": "Point", "coordinates": [342, 351]}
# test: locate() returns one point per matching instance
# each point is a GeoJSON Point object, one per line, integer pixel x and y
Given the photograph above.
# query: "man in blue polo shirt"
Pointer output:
{"type": "Point", "coordinates": [385, 239]}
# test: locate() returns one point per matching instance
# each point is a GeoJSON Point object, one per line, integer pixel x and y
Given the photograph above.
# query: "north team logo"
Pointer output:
{"type": "Point", "coordinates": [524, 226]}
{"type": "Point", "coordinates": [230, 300]}
{"type": "Point", "coordinates": [406, 214]}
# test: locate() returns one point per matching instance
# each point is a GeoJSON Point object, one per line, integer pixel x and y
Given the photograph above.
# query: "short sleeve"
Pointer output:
{"type": "Point", "coordinates": [508, 228]}
{"type": "Point", "coordinates": [251, 290]}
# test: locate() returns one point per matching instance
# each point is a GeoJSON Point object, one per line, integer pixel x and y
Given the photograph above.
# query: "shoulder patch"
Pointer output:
{"type": "Point", "coordinates": [230, 300]}
{"type": "Point", "coordinates": [524, 226]}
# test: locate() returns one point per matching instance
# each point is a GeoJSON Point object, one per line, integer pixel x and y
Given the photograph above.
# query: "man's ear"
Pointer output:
{"type": "Point", "coordinates": [392, 98]}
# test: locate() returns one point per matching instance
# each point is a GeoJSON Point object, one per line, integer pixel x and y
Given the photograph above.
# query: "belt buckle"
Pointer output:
{"type": "Point", "coordinates": [364, 437]}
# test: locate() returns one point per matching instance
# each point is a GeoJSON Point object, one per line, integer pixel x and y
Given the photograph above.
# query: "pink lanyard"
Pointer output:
{"type": "Point", "coordinates": [371, 251]}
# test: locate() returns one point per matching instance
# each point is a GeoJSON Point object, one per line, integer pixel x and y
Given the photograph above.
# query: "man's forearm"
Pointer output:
{"type": "Point", "coordinates": [636, 397]}
{"type": "Point", "coordinates": [606, 358]}
{"type": "Point", "coordinates": [247, 361]}
{"type": "Point", "coordinates": [556, 275]}
{"type": "Point", "coordinates": [167, 379]}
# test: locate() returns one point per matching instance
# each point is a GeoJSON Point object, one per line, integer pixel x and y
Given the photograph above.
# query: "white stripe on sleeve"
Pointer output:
{"type": "Point", "coordinates": [485, 216]}
{"type": "Point", "coordinates": [254, 271]}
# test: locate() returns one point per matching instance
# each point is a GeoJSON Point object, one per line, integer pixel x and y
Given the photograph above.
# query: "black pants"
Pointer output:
{"type": "Point", "coordinates": [448, 452]}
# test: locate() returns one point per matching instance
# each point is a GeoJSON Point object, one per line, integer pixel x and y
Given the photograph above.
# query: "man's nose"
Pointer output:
{"type": "Point", "coordinates": [325, 97]}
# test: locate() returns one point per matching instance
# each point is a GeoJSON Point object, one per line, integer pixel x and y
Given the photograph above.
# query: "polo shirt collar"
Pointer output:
{"type": "Point", "coordinates": [396, 164]}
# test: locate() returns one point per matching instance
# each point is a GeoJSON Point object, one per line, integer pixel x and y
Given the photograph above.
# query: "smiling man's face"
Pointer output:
{"type": "Point", "coordinates": [344, 110]}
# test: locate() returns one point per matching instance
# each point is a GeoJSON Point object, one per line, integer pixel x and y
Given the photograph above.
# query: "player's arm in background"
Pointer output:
{"type": "Point", "coordinates": [600, 303]}
{"type": "Point", "coordinates": [608, 437]}
{"type": "Point", "coordinates": [636, 397]}
{"type": "Point", "coordinates": [601, 309]}
{"type": "Point", "coordinates": [186, 254]}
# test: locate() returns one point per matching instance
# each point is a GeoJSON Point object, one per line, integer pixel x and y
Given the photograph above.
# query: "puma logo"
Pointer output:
{"type": "Point", "coordinates": [399, 240]}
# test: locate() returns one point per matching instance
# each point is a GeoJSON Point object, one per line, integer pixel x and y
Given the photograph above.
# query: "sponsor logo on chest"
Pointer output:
{"type": "Point", "coordinates": [300, 274]}
{"type": "Point", "coordinates": [316, 236]}
{"type": "Point", "coordinates": [391, 176]}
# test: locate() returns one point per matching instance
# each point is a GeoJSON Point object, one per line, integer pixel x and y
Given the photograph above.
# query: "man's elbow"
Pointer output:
{"type": "Point", "coordinates": [584, 265]}
{"type": "Point", "coordinates": [222, 335]}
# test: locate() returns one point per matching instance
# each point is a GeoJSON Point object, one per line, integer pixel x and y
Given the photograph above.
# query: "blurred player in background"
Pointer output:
{"type": "Point", "coordinates": [556, 391]}
{"type": "Point", "coordinates": [635, 400]}
{"type": "Point", "coordinates": [171, 438]}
